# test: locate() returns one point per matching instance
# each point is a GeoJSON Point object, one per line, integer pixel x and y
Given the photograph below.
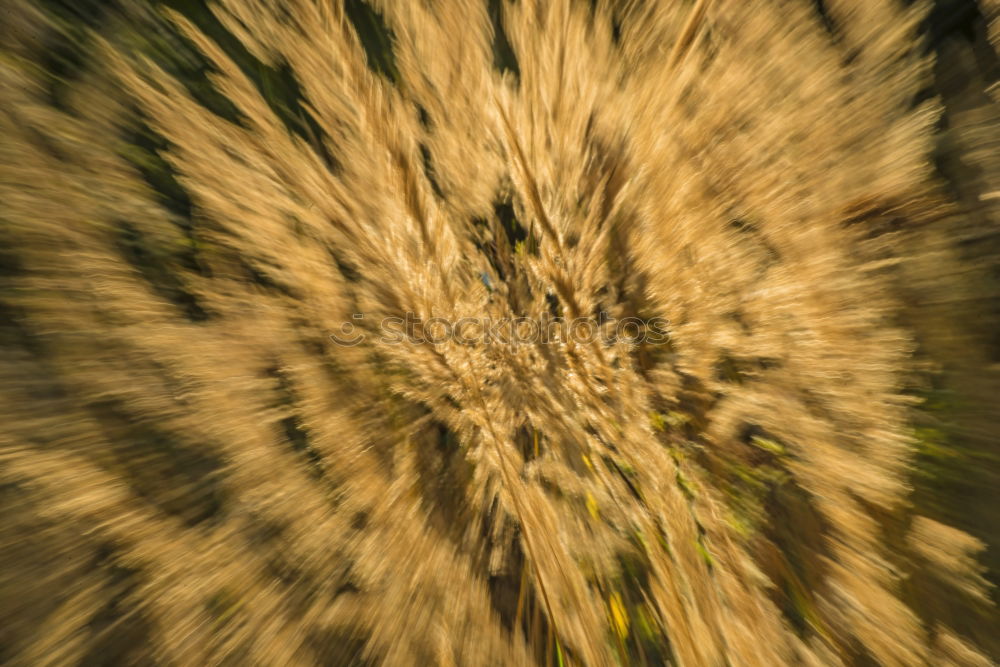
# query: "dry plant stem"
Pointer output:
{"type": "Point", "coordinates": [193, 471]}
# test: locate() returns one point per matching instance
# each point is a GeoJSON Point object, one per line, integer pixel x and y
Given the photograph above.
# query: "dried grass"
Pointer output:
{"type": "Point", "coordinates": [193, 473]}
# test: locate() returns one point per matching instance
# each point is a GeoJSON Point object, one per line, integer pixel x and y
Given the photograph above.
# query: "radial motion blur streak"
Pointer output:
{"type": "Point", "coordinates": [499, 332]}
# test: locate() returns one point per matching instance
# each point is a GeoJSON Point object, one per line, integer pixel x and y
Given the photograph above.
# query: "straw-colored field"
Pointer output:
{"type": "Point", "coordinates": [798, 468]}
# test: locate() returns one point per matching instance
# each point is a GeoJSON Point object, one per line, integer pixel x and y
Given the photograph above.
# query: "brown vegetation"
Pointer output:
{"type": "Point", "coordinates": [192, 472]}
